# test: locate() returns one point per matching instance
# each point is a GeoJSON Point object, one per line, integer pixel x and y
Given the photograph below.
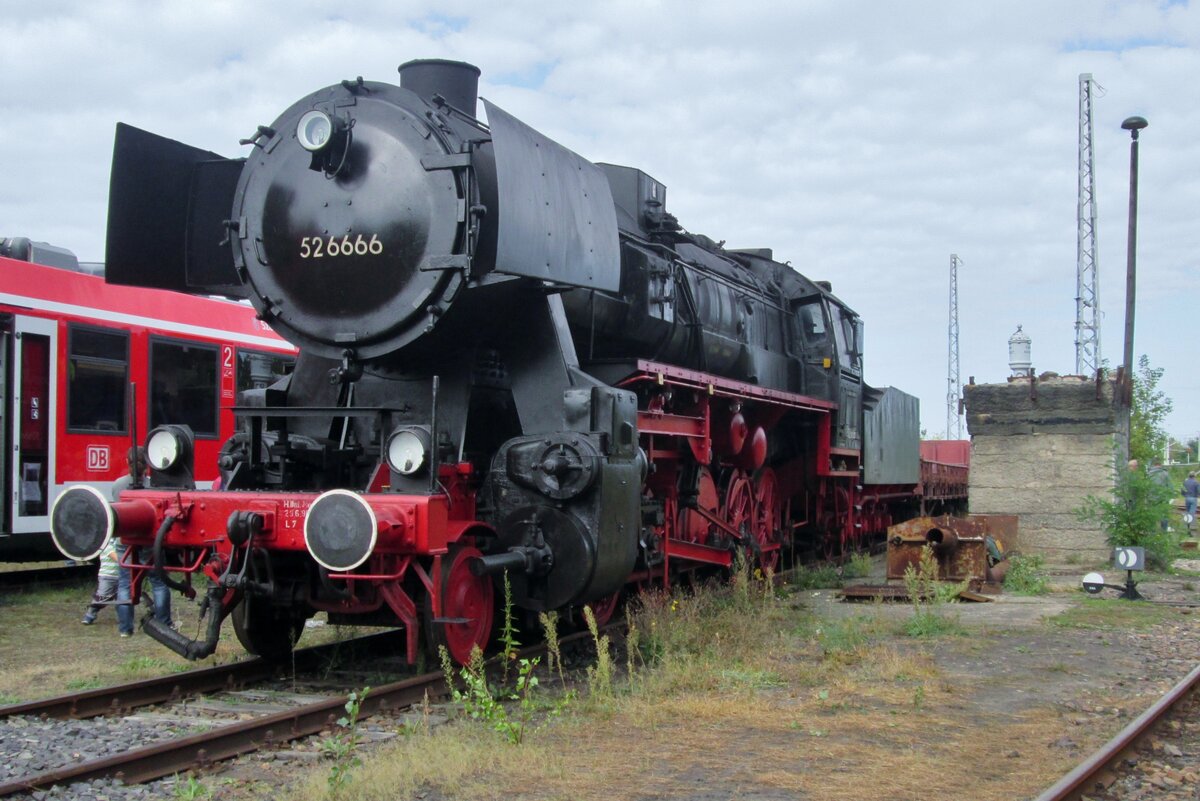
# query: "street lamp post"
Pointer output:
{"type": "Point", "coordinates": [1133, 125]}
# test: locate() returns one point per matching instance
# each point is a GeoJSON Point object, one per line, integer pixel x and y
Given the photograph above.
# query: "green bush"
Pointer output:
{"type": "Point", "coordinates": [1027, 575]}
{"type": "Point", "coordinates": [1132, 517]}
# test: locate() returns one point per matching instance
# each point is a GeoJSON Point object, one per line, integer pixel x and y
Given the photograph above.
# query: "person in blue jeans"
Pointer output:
{"type": "Point", "coordinates": [160, 592]}
{"type": "Point", "coordinates": [112, 587]}
{"type": "Point", "coordinates": [1191, 493]}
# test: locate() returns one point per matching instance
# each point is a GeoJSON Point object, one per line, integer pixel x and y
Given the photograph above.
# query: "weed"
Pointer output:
{"type": "Point", "coordinates": [928, 597]}
{"type": "Point", "coordinates": [1026, 575]}
{"type": "Point", "coordinates": [192, 790]}
{"type": "Point", "coordinates": [84, 684]}
{"type": "Point", "coordinates": [747, 679]}
{"type": "Point", "coordinates": [145, 664]}
{"type": "Point", "coordinates": [1111, 613]}
{"type": "Point", "coordinates": [508, 632]}
{"type": "Point", "coordinates": [342, 747]}
{"type": "Point", "coordinates": [818, 577]}
{"type": "Point", "coordinates": [6, 699]}
{"type": "Point", "coordinates": [859, 566]}
{"type": "Point", "coordinates": [632, 641]}
{"type": "Point", "coordinates": [549, 621]}
{"type": "Point", "coordinates": [841, 640]}
{"type": "Point", "coordinates": [600, 674]}
{"type": "Point", "coordinates": [918, 699]}
{"type": "Point", "coordinates": [478, 701]}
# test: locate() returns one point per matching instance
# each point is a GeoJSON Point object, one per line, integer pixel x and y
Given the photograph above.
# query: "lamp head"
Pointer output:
{"type": "Point", "coordinates": [1134, 124]}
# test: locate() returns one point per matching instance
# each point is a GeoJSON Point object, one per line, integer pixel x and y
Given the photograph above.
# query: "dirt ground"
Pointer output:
{"type": "Point", "coordinates": [998, 710]}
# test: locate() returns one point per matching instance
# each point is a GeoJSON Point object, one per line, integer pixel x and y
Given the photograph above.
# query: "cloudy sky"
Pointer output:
{"type": "Point", "coordinates": [863, 141]}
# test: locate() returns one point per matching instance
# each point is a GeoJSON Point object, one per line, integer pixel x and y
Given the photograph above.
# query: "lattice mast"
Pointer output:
{"type": "Point", "coordinates": [954, 428]}
{"type": "Point", "coordinates": [1087, 273]}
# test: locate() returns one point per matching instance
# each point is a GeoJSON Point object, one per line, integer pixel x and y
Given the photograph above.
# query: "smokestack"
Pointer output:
{"type": "Point", "coordinates": [456, 81]}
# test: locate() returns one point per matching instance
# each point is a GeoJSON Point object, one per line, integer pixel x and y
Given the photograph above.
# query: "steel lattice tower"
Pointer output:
{"type": "Point", "coordinates": [1087, 274]}
{"type": "Point", "coordinates": [953, 384]}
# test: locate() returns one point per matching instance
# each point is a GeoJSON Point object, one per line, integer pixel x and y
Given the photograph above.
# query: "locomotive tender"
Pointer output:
{"type": "Point", "coordinates": [511, 359]}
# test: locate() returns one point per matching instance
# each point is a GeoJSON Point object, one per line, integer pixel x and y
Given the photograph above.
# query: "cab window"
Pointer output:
{"type": "Point", "coordinates": [183, 385]}
{"type": "Point", "coordinates": [97, 377]}
{"type": "Point", "coordinates": [811, 319]}
{"type": "Point", "coordinates": [847, 333]}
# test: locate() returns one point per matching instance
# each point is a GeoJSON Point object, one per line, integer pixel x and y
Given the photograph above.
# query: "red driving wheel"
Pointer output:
{"type": "Point", "coordinates": [468, 604]}
{"type": "Point", "coordinates": [603, 608]}
{"type": "Point", "coordinates": [740, 511]}
{"type": "Point", "coordinates": [768, 518]}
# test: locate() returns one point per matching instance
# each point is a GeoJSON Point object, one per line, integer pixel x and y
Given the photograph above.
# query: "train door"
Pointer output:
{"type": "Point", "coordinates": [30, 432]}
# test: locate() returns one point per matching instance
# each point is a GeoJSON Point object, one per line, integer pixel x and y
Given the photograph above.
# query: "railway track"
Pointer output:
{"type": "Point", "coordinates": [123, 698]}
{"type": "Point", "coordinates": [1106, 772]}
{"type": "Point", "coordinates": [224, 740]}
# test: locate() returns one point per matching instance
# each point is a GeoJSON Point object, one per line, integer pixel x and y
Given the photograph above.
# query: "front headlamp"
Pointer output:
{"type": "Point", "coordinates": [314, 131]}
{"type": "Point", "coordinates": [408, 450]}
{"type": "Point", "coordinates": [170, 454]}
{"type": "Point", "coordinates": [163, 448]}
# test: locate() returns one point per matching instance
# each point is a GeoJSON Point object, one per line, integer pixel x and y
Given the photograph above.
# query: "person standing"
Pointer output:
{"type": "Point", "coordinates": [112, 585]}
{"type": "Point", "coordinates": [1159, 475]}
{"type": "Point", "coordinates": [1191, 493]}
{"type": "Point", "coordinates": [160, 592]}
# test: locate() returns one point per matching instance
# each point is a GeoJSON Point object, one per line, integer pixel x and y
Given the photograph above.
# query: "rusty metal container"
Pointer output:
{"type": "Point", "coordinates": [959, 545]}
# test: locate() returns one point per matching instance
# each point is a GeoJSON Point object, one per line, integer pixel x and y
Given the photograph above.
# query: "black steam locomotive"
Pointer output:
{"type": "Point", "coordinates": [511, 359]}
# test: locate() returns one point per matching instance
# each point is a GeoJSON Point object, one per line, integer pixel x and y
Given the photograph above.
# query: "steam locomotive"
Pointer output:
{"type": "Point", "coordinates": [511, 360]}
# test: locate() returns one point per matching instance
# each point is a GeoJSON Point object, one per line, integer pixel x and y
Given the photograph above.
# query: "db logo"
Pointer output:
{"type": "Point", "coordinates": [97, 457]}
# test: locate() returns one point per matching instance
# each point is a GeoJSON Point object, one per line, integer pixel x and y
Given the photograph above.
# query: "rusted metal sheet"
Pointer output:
{"type": "Point", "coordinates": [960, 545]}
{"type": "Point", "coordinates": [898, 592]}
{"type": "Point", "coordinates": [869, 592]}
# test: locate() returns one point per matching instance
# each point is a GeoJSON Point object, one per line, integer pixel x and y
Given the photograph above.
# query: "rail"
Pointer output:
{"type": "Point", "coordinates": [1081, 780]}
{"type": "Point", "coordinates": [174, 756]}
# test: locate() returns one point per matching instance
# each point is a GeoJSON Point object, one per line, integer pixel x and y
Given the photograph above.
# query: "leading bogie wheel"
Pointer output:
{"type": "Point", "coordinates": [468, 605]}
{"type": "Point", "coordinates": [265, 630]}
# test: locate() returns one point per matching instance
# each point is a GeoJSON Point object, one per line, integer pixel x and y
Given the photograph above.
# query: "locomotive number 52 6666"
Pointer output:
{"type": "Point", "coordinates": [315, 247]}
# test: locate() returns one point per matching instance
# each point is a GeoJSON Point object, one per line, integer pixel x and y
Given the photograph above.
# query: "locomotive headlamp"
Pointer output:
{"type": "Point", "coordinates": [315, 130]}
{"type": "Point", "coordinates": [163, 448]}
{"type": "Point", "coordinates": [408, 450]}
{"type": "Point", "coordinates": [169, 453]}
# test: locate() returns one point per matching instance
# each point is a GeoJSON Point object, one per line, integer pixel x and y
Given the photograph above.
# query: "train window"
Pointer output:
{"type": "Point", "coordinates": [811, 318]}
{"type": "Point", "coordinates": [183, 386]}
{"type": "Point", "coordinates": [257, 370]}
{"type": "Point", "coordinates": [846, 332]}
{"type": "Point", "coordinates": [97, 378]}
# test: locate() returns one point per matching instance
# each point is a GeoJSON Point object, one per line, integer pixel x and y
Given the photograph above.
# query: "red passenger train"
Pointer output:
{"type": "Point", "coordinates": [78, 354]}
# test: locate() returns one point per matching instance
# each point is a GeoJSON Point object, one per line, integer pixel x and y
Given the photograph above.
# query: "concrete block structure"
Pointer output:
{"type": "Point", "coordinates": [1039, 446]}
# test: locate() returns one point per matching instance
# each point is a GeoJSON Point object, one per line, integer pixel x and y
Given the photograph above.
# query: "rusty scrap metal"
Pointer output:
{"type": "Point", "coordinates": [958, 543]}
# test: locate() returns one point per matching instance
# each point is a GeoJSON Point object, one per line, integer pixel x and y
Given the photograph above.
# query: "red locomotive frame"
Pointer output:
{"type": "Point", "coordinates": [419, 565]}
